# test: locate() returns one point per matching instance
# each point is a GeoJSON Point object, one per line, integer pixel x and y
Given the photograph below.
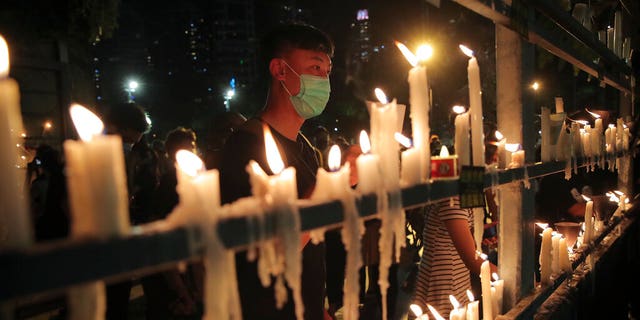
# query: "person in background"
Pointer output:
{"type": "Point", "coordinates": [299, 63]}
{"type": "Point", "coordinates": [220, 128]}
{"type": "Point", "coordinates": [129, 121]}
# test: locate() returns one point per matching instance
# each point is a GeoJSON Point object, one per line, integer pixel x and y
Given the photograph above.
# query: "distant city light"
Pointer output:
{"type": "Point", "coordinates": [48, 125]}
{"type": "Point", "coordinates": [535, 86]}
{"type": "Point", "coordinates": [458, 109]}
{"type": "Point", "coordinates": [133, 85]}
{"type": "Point", "coordinates": [362, 15]}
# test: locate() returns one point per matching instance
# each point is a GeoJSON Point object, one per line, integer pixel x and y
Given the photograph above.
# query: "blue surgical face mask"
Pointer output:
{"type": "Point", "coordinates": [313, 95]}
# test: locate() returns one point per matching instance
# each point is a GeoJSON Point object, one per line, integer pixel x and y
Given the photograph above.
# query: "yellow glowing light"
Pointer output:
{"type": "Point", "coordinates": [413, 60]}
{"type": "Point", "coordinates": [24, 135]}
{"type": "Point", "coordinates": [416, 310]}
{"type": "Point", "coordinates": [189, 163]}
{"type": "Point", "coordinates": [4, 58]}
{"type": "Point", "coordinates": [499, 135]}
{"type": "Point", "coordinates": [459, 109]}
{"type": "Point", "coordinates": [334, 158]}
{"type": "Point", "coordinates": [401, 139]}
{"type": "Point", "coordinates": [444, 152]}
{"type": "Point", "coordinates": [595, 115]}
{"type": "Point", "coordinates": [512, 147]}
{"type": "Point", "coordinates": [381, 96]}
{"type": "Point", "coordinates": [542, 225]}
{"type": "Point", "coordinates": [424, 52]}
{"type": "Point", "coordinates": [586, 198]}
{"type": "Point", "coordinates": [495, 276]}
{"type": "Point", "coordinates": [86, 122]}
{"type": "Point", "coordinates": [468, 52]}
{"type": "Point", "coordinates": [365, 145]}
{"type": "Point", "coordinates": [435, 312]}
{"type": "Point", "coordinates": [273, 156]}
{"type": "Point", "coordinates": [470, 296]}
{"type": "Point", "coordinates": [535, 86]}
{"type": "Point", "coordinates": [454, 302]}
{"type": "Point", "coordinates": [48, 125]}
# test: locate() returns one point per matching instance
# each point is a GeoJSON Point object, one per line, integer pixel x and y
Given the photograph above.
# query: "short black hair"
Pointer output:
{"type": "Point", "coordinates": [128, 115]}
{"type": "Point", "coordinates": [284, 38]}
{"type": "Point", "coordinates": [179, 138]}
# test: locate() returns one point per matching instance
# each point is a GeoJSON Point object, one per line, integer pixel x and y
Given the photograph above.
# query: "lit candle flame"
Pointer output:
{"type": "Point", "coordinates": [470, 296]}
{"type": "Point", "coordinates": [273, 156]}
{"type": "Point", "coordinates": [624, 126]}
{"type": "Point", "coordinates": [334, 158]}
{"type": "Point", "coordinates": [424, 52]}
{"type": "Point", "coordinates": [86, 122]}
{"type": "Point", "coordinates": [618, 192]}
{"type": "Point", "coordinates": [468, 52]}
{"type": "Point", "coordinates": [499, 135]}
{"type": "Point", "coordinates": [444, 152]}
{"type": "Point", "coordinates": [611, 125]}
{"type": "Point", "coordinates": [583, 122]}
{"type": "Point", "coordinates": [189, 163]}
{"type": "Point", "coordinates": [413, 60]}
{"type": "Point", "coordinates": [401, 139]}
{"type": "Point", "coordinates": [535, 86]}
{"type": "Point", "coordinates": [48, 125]}
{"type": "Point", "coordinates": [435, 312]}
{"type": "Point", "coordinates": [454, 302]}
{"type": "Point", "coordinates": [381, 96]}
{"type": "Point", "coordinates": [459, 109]}
{"type": "Point", "coordinates": [481, 255]}
{"type": "Point", "coordinates": [365, 145]}
{"type": "Point", "coordinates": [4, 58]}
{"type": "Point", "coordinates": [595, 115]}
{"type": "Point", "coordinates": [416, 309]}
{"type": "Point", "coordinates": [495, 276]}
{"type": "Point", "coordinates": [512, 147]}
{"type": "Point", "coordinates": [542, 225]}
{"type": "Point", "coordinates": [586, 198]}
{"type": "Point", "coordinates": [582, 131]}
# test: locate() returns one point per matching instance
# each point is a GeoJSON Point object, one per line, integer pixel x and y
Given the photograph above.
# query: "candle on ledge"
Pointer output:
{"type": "Point", "coordinates": [15, 218]}
{"type": "Point", "coordinates": [445, 165]}
{"type": "Point", "coordinates": [198, 190]}
{"type": "Point", "coordinates": [96, 179]}
{"type": "Point", "coordinates": [502, 141]}
{"type": "Point", "coordinates": [368, 166]}
{"type": "Point", "coordinates": [485, 280]}
{"type": "Point", "coordinates": [515, 157]}
{"type": "Point", "coordinates": [588, 221]}
{"type": "Point", "coordinates": [565, 263]}
{"type": "Point", "coordinates": [472, 307]}
{"type": "Point", "coordinates": [420, 103]}
{"type": "Point", "coordinates": [410, 164]}
{"type": "Point", "coordinates": [497, 294]}
{"type": "Point", "coordinates": [475, 107]}
{"type": "Point", "coordinates": [555, 252]}
{"type": "Point", "coordinates": [457, 313]}
{"type": "Point", "coordinates": [545, 256]}
{"type": "Point", "coordinates": [335, 185]}
{"type": "Point", "coordinates": [462, 136]}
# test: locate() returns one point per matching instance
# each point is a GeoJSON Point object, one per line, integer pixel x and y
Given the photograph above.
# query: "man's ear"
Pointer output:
{"type": "Point", "coordinates": [277, 69]}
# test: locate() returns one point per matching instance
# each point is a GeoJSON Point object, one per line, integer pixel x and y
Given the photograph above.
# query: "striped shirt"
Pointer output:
{"type": "Point", "coordinates": [442, 272]}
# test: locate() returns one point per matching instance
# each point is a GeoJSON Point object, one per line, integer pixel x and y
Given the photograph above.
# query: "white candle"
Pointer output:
{"type": "Point", "coordinates": [417, 311]}
{"type": "Point", "coordinates": [15, 219]}
{"type": "Point", "coordinates": [625, 138]}
{"type": "Point", "coordinates": [368, 166]}
{"type": "Point", "coordinates": [559, 105]}
{"type": "Point", "coordinates": [475, 108]}
{"type": "Point", "coordinates": [516, 159]}
{"type": "Point", "coordinates": [420, 101]}
{"type": "Point", "coordinates": [410, 173]}
{"type": "Point", "coordinates": [462, 139]}
{"type": "Point", "coordinates": [456, 313]}
{"type": "Point", "coordinates": [617, 33]}
{"type": "Point", "coordinates": [485, 279]}
{"type": "Point", "coordinates": [619, 134]}
{"type": "Point", "coordinates": [565, 263]}
{"type": "Point", "coordinates": [497, 294]}
{"type": "Point", "coordinates": [96, 179]}
{"type": "Point", "coordinates": [555, 253]}
{"type": "Point", "coordinates": [434, 312]}
{"type": "Point", "coordinates": [472, 307]}
{"type": "Point", "coordinates": [335, 185]}
{"type": "Point", "coordinates": [588, 221]}
{"type": "Point", "coordinates": [198, 190]}
{"type": "Point", "coordinates": [545, 256]}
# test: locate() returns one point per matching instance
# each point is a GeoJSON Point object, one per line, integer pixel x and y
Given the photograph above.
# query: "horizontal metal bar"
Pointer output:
{"type": "Point", "coordinates": [54, 266]}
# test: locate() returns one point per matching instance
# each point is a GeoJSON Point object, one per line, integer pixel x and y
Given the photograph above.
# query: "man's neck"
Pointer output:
{"type": "Point", "coordinates": [281, 116]}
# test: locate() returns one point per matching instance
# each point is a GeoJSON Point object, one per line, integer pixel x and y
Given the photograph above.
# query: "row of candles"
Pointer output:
{"type": "Point", "coordinates": [556, 246]}
{"type": "Point", "coordinates": [492, 297]}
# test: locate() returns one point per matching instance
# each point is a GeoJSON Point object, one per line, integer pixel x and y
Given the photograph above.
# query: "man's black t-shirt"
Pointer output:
{"type": "Point", "coordinates": [246, 144]}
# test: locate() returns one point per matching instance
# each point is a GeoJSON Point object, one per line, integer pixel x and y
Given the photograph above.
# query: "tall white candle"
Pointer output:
{"type": "Point", "coordinates": [368, 165]}
{"type": "Point", "coordinates": [545, 256]}
{"type": "Point", "coordinates": [475, 107]}
{"type": "Point", "coordinates": [96, 179]}
{"type": "Point", "coordinates": [559, 105]}
{"type": "Point", "coordinates": [588, 221]}
{"type": "Point", "coordinates": [497, 294]}
{"type": "Point", "coordinates": [410, 173]}
{"type": "Point", "coordinates": [565, 263]}
{"type": "Point", "coordinates": [456, 313]}
{"type": "Point", "coordinates": [420, 103]}
{"type": "Point", "coordinates": [15, 220]}
{"type": "Point", "coordinates": [462, 139]}
{"type": "Point", "coordinates": [335, 185]}
{"type": "Point", "coordinates": [485, 280]}
{"type": "Point", "coordinates": [472, 307]}
{"type": "Point", "coordinates": [555, 256]}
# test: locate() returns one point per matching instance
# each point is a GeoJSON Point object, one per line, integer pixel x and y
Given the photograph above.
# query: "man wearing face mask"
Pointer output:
{"type": "Point", "coordinates": [298, 58]}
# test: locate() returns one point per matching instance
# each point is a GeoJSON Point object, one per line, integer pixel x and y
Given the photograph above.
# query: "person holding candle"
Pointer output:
{"type": "Point", "coordinates": [449, 255]}
{"type": "Point", "coordinates": [298, 58]}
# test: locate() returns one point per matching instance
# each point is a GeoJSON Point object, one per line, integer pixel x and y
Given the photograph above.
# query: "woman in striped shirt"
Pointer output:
{"type": "Point", "coordinates": [448, 256]}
